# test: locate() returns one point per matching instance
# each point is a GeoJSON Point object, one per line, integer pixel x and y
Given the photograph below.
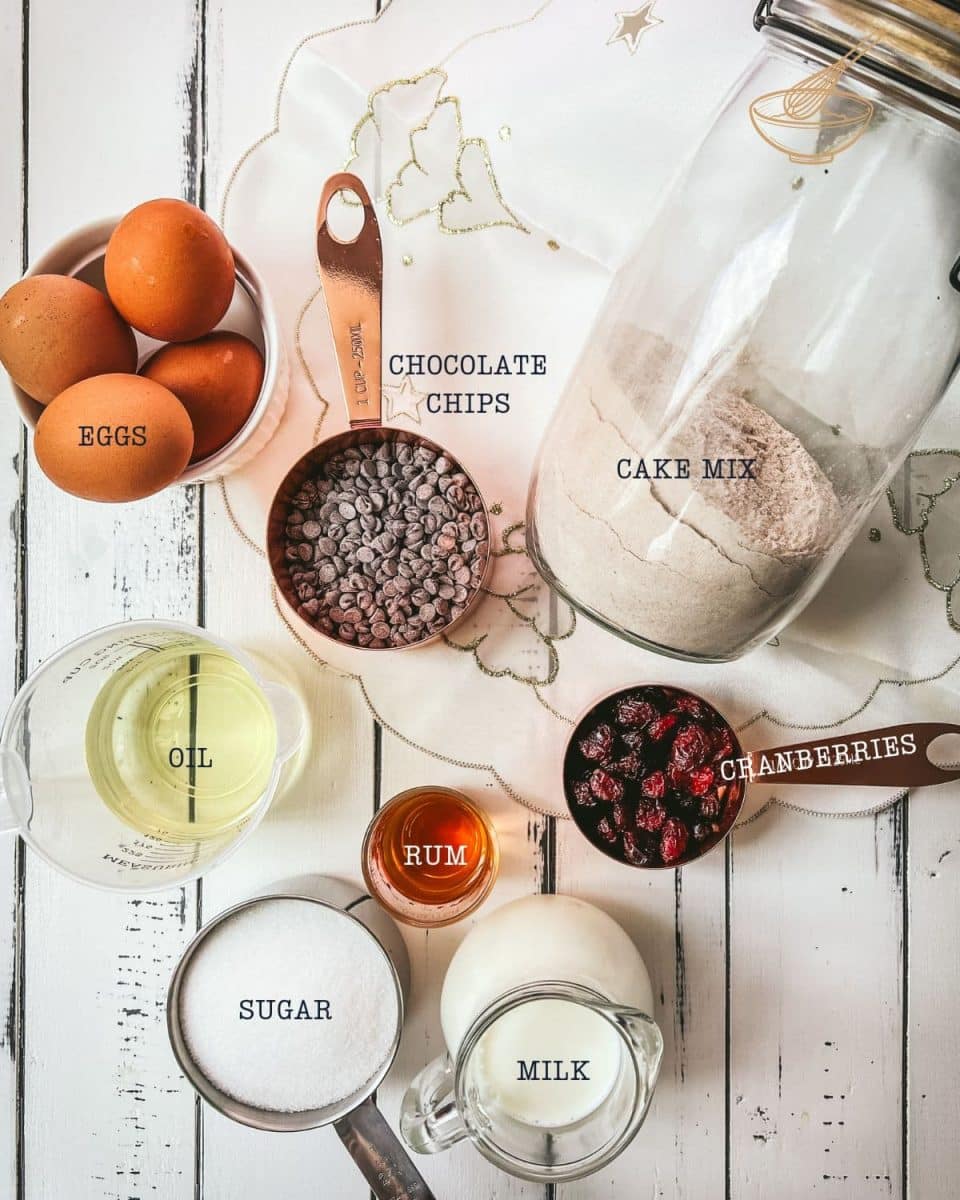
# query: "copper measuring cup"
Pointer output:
{"type": "Point", "coordinates": [351, 273]}
{"type": "Point", "coordinates": [895, 756]}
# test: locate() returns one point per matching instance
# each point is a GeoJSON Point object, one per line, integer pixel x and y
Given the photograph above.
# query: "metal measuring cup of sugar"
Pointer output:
{"type": "Point", "coordinates": [361, 1127]}
{"type": "Point", "coordinates": [358, 604]}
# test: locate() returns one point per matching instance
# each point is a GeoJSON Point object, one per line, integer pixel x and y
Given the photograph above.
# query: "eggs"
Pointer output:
{"type": "Point", "coordinates": [55, 331]}
{"type": "Point", "coordinates": [169, 270]}
{"type": "Point", "coordinates": [114, 437]}
{"type": "Point", "coordinates": [72, 348]}
{"type": "Point", "coordinates": [217, 379]}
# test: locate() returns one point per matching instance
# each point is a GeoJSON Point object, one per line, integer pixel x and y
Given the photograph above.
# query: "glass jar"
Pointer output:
{"type": "Point", "coordinates": [764, 362]}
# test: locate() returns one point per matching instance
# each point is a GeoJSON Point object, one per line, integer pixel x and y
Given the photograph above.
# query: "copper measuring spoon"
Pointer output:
{"type": "Point", "coordinates": [613, 755]}
{"type": "Point", "coordinates": [351, 273]}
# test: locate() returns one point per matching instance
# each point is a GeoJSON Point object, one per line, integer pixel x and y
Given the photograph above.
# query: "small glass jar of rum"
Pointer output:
{"type": "Point", "coordinates": [430, 856]}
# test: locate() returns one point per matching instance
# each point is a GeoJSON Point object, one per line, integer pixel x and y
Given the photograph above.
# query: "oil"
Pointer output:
{"type": "Point", "coordinates": [430, 856]}
{"type": "Point", "coordinates": [181, 741]}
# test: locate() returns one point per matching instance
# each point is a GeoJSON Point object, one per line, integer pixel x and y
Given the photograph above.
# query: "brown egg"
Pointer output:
{"type": "Point", "coordinates": [169, 270]}
{"type": "Point", "coordinates": [114, 437]}
{"type": "Point", "coordinates": [55, 331]}
{"type": "Point", "coordinates": [217, 379]}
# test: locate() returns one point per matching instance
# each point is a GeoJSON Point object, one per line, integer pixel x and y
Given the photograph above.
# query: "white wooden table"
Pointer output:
{"type": "Point", "coordinates": [806, 982]}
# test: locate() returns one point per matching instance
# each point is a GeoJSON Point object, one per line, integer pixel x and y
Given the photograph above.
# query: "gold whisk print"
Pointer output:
{"type": "Point", "coordinates": [815, 120]}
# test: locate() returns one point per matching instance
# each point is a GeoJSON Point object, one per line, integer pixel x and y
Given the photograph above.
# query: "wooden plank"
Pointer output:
{"type": "Point", "coordinates": [12, 445]}
{"type": "Point", "coordinates": [816, 1007]}
{"type": "Point", "coordinates": [932, 1045]}
{"type": "Point", "coordinates": [462, 1171]}
{"type": "Point", "coordinates": [318, 823]}
{"type": "Point", "coordinates": [676, 919]}
{"type": "Point", "coordinates": [315, 827]}
{"type": "Point", "coordinates": [112, 100]}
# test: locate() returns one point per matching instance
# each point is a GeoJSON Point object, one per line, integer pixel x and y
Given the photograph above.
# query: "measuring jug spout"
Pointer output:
{"type": "Point", "coordinates": [15, 795]}
{"type": "Point", "coordinates": [289, 716]}
{"type": "Point", "coordinates": [429, 1119]}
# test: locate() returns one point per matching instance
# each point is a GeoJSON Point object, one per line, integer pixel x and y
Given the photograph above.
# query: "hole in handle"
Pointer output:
{"type": "Point", "coordinates": [345, 216]}
{"type": "Point", "coordinates": [944, 751]}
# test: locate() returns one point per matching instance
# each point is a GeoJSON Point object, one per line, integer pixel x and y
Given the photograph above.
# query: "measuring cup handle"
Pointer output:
{"type": "Point", "coordinates": [352, 277]}
{"type": "Point", "coordinates": [895, 756]}
{"type": "Point", "coordinates": [377, 1151]}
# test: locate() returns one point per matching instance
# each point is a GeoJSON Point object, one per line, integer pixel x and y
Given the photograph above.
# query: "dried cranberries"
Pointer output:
{"type": "Point", "coordinates": [643, 776]}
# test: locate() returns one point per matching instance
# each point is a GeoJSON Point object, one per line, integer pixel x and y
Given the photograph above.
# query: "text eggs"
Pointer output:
{"type": "Point", "coordinates": [114, 437]}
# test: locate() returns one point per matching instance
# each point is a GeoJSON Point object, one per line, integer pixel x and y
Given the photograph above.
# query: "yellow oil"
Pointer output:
{"type": "Point", "coordinates": [181, 741]}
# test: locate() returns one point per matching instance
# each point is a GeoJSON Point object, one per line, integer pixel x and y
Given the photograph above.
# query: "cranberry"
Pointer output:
{"type": "Point", "coordinates": [655, 785]}
{"type": "Point", "coordinates": [691, 747]}
{"type": "Point", "coordinates": [620, 818]}
{"type": "Point", "coordinates": [710, 806]}
{"type": "Point", "coordinates": [651, 816]}
{"type": "Point", "coordinates": [659, 728]}
{"type": "Point", "coordinates": [582, 793]}
{"type": "Point", "coordinates": [722, 739]}
{"type": "Point", "coordinates": [634, 710]}
{"type": "Point", "coordinates": [598, 743]}
{"type": "Point", "coordinates": [632, 739]}
{"type": "Point", "coordinates": [694, 707]}
{"type": "Point", "coordinates": [633, 852]}
{"type": "Point", "coordinates": [630, 766]}
{"type": "Point", "coordinates": [605, 787]}
{"type": "Point", "coordinates": [606, 830]}
{"type": "Point", "coordinates": [702, 830]}
{"type": "Point", "coordinates": [677, 778]}
{"type": "Point", "coordinates": [701, 781]}
{"type": "Point", "coordinates": [673, 840]}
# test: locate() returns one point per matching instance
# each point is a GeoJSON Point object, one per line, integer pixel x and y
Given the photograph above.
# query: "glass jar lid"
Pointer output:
{"type": "Point", "coordinates": [909, 44]}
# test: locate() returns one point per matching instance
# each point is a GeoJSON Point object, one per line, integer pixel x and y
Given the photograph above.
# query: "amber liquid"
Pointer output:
{"type": "Point", "coordinates": [430, 856]}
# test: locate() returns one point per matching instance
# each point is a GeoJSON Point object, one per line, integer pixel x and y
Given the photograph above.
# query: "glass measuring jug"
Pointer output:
{"type": "Point", "coordinates": [552, 1054]}
{"type": "Point", "coordinates": [142, 754]}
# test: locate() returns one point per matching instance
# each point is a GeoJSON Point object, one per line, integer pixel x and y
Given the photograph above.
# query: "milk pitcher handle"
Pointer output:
{"type": "Point", "coordinates": [383, 1162]}
{"type": "Point", "coordinates": [429, 1118]}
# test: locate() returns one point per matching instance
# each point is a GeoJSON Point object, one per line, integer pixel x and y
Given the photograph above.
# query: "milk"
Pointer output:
{"type": "Point", "coordinates": [549, 1062]}
{"type": "Point", "coordinates": [525, 1062]}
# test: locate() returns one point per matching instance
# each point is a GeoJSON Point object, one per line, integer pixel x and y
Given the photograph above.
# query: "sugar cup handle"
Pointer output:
{"type": "Point", "coordinates": [289, 716]}
{"type": "Point", "coordinates": [429, 1119]}
{"type": "Point", "coordinates": [376, 1150]}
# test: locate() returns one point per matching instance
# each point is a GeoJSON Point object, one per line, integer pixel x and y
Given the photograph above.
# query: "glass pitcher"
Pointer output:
{"type": "Point", "coordinates": [764, 362]}
{"type": "Point", "coordinates": [142, 754]}
{"type": "Point", "coordinates": [553, 1056]}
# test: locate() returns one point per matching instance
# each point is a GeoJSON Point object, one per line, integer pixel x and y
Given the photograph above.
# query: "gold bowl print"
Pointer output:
{"type": "Point", "coordinates": [818, 138]}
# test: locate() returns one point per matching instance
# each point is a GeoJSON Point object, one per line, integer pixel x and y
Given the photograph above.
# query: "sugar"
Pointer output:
{"type": "Point", "coordinates": [333, 1021]}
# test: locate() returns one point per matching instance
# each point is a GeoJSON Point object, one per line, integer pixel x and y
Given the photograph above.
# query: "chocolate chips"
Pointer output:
{"type": "Point", "coordinates": [386, 543]}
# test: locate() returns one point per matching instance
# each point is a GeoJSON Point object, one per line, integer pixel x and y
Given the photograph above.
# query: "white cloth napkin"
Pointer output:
{"type": "Point", "coordinates": [549, 135]}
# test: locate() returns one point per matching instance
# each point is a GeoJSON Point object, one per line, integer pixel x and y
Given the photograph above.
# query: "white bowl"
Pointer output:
{"type": "Point", "coordinates": [251, 313]}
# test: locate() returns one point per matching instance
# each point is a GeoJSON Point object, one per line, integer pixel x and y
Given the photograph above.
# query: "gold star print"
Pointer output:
{"type": "Point", "coordinates": [633, 25]}
{"type": "Point", "coordinates": [403, 400]}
